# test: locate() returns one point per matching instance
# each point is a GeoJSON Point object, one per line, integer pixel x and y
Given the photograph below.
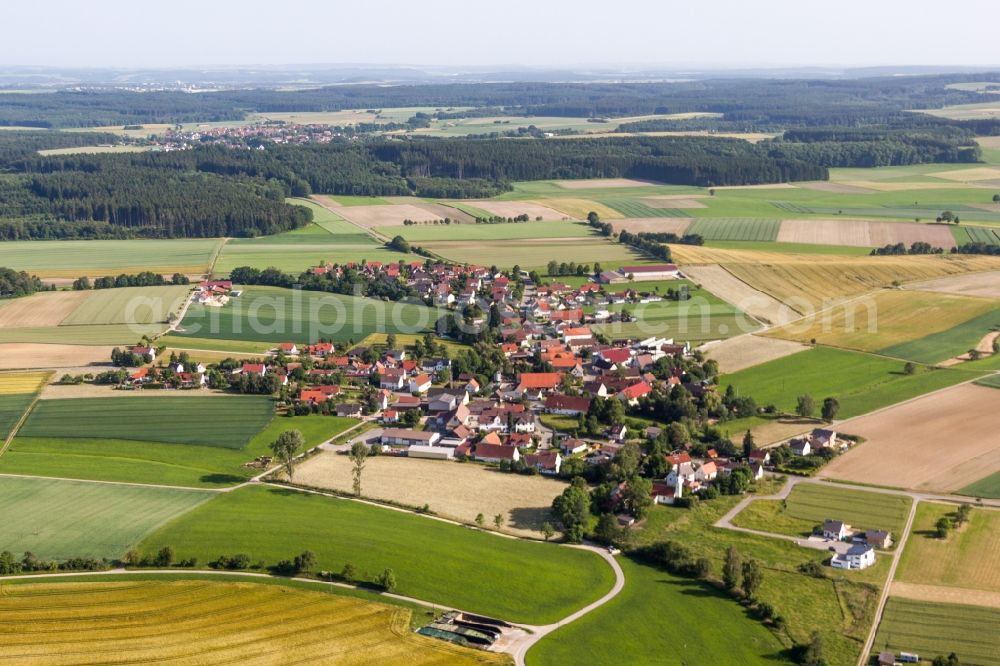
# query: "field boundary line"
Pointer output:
{"type": "Point", "coordinates": [214, 259]}
{"type": "Point", "coordinates": [24, 416]}
{"type": "Point", "coordinates": [116, 483]}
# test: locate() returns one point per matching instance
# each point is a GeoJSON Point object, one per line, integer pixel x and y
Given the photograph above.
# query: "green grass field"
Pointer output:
{"type": "Point", "coordinates": [271, 314]}
{"type": "Point", "coordinates": [57, 519]}
{"type": "Point", "coordinates": [847, 603]}
{"type": "Point", "coordinates": [735, 229]}
{"type": "Point", "coordinates": [419, 233]}
{"type": "Point", "coordinates": [155, 462]}
{"type": "Point", "coordinates": [861, 382]}
{"type": "Point", "coordinates": [930, 629]}
{"type": "Point", "coordinates": [113, 334]}
{"type": "Point", "coordinates": [987, 487]}
{"type": "Point", "coordinates": [128, 305]}
{"type": "Point", "coordinates": [107, 257]}
{"type": "Point", "coordinates": [297, 257]}
{"type": "Point", "coordinates": [950, 343]}
{"type": "Point", "coordinates": [224, 421]}
{"type": "Point", "coordinates": [808, 505]}
{"type": "Point", "coordinates": [11, 409]}
{"type": "Point", "coordinates": [634, 208]}
{"type": "Point", "coordinates": [536, 254]}
{"type": "Point", "coordinates": [679, 620]}
{"type": "Point", "coordinates": [435, 561]}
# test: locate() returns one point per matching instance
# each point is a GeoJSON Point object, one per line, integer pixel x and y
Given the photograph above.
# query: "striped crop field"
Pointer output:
{"type": "Point", "coordinates": [223, 421]}
{"type": "Point", "coordinates": [199, 621]}
{"type": "Point", "coordinates": [930, 629]}
{"type": "Point", "coordinates": [17, 391]}
{"type": "Point", "coordinates": [128, 305]}
{"type": "Point", "coordinates": [735, 228]}
{"type": "Point", "coordinates": [58, 519]}
{"type": "Point", "coordinates": [634, 208]}
{"type": "Point", "coordinates": [14, 383]}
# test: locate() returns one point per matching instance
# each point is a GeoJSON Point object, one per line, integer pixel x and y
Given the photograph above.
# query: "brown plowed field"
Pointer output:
{"type": "Point", "coordinates": [940, 442]}
{"type": "Point", "coordinates": [43, 309]}
{"type": "Point", "coordinates": [664, 225]}
{"type": "Point", "coordinates": [864, 233]}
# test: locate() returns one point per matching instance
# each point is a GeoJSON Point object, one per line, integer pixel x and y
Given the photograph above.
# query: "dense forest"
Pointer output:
{"type": "Point", "coordinates": [786, 102]}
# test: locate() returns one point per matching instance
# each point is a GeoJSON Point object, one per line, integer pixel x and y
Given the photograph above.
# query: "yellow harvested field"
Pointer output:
{"type": "Point", "coordinates": [962, 175]}
{"type": "Point", "coordinates": [969, 558]}
{"type": "Point", "coordinates": [884, 318]}
{"type": "Point", "coordinates": [28, 355]}
{"type": "Point", "coordinates": [15, 383]}
{"type": "Point", "coordinates": [940, 442]}
{"type": "Point", "coordinates": [515, 208]}
{"type": "Point", "coordinates": [579, 208]}
{"type": "Point", "coordinates": [945, 595]}
{"type": "Point", "coordinates": [386, 215]}
{"type": "Point", "coordinates": [41, 309]}
{"type": "Point", "coordinates": [731, 289]}
{"type": "Point", "coordinates": [834, 187]}
{"type": "Point", "coordinates": [189, 622]}
{"type": "Point", "coordinates": [600, 183]}
{"type": "Point", "coordinates": [459, 491]}
{"type": "Point", "coordinates": [810, 282]}
{"type": "Point", "coordinates": [663, 225]}
{"type": "Point", "coordinates": [864, 233]}
{"type": "Point", "coordinates": [746, 351]}
{"type": "Point", "coordinates": [986, 285]}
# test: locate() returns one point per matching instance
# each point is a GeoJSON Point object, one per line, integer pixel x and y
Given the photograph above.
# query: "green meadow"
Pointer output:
{"type": "Point", "coordinates": [57, 519]}
{"type": "Point", "coordinates": [436, 561]}
{"type": "Point", "coordinates": [932, 629]}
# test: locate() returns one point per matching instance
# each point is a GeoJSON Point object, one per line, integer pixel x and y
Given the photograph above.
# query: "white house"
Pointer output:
{"type": "Point", "coordinates": [858, 556]}
{"type": "Point", "coordinates": [420, 383]}
{"type": "Point", "coordinates": [835, 529]}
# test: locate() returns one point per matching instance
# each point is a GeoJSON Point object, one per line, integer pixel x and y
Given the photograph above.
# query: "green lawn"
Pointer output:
{"type": "Point", "coordinates": [53, 258]}
{"type": "Point", "coordinates": [809, 504]}
{"type": "Point", "coordinates": [847, 603]}
{"type": "Point", "coordinates": [861, 382]}
{"type": "Point", "coordinates": [11, 409]}
{"type": "Point", "coordinates": [223, 421]}
{"type": "Point", "coordinates": [524, 230]}
{"type": "Point", "coordinates": [679, 620]}
{"type": "Point", "coordinates": [947, 344]}
{"type": "Point", "coordinates": [436, 561]}
{"type": "Point", "coordinates": [235, 347]}
{"type": "Point", "coordinates": [931, 629]}
{"type": "Point", "coordinates": [272, 314]}
{"type": "Point", "coordinates": [128, 305]}
{"type": "Point", "coordinates": [987, 487]}
{"type": "Point", "coordinates": [57, 519]}
{"type": "Point", "coordinates": [158, 462]}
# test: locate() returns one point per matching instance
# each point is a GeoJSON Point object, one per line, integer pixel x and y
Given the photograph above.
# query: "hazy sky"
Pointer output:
{"type": "Point", "coordinates": [473, 32]}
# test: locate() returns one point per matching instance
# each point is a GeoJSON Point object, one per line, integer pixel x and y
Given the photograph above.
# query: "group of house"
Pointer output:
{"type": "Point", "coordinates": [214, 293]}
{"type": "Point", "coordinates": [861, 553]}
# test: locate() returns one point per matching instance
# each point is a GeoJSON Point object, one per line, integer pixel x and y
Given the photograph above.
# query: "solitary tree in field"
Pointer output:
{"type": "Point", "coordinates": [909, 368]}
{"type": "Point", "coordinates": [286, 447]}
{"type": "Point", "coordinates": [996, 198]}
{"type": "Point", "coordinates": [359, 455]}
{"type": "Point", "coordinates": [805, 406]}
{"type": "Point", "coordinates": [480, 519]}
{"type": "Point", "coordinates": [830, 408]}
{"type": "Point", "coordinates": [498, 520]}
{"type": "Point", "coordinates": [942, 527]}
{"type": "Point", "coordinates": [387, 580]}
{"type": "Point", "coordinates": [547, 530]}
{"type": "Point", "coordinates": [731, 569]}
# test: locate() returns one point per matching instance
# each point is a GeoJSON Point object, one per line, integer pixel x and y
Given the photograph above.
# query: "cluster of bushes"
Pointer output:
{"type": "Point", "coordinates": [500, 219]}
{"type": "Point", "coordinates": [646, 244]}
{"type": "Point", "coordinates": [556, 268]}
{"type": "Point", "coordinates": [954, 520]}
{"type": "Point", "coordinates": [144, 279]}
{"type": "Point", "coordinates": [18, 283]}
{"type": "Point", "coordinates": [899, 249]}
{"type": "Point", "coordinates": [10, 565]}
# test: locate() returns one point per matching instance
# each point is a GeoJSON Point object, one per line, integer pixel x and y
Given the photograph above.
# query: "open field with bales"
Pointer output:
{"type": "Point", "coordinates": [932, 629]}
{"type": "Point", "coordinates": [747, 351]}
{"type": "Point", "coordinates": [891, 317]}
{"type": "Point", "coordinates": [809, 504]}
{"type": "Point", "coordinates": [56, 519]}
{"type": "Point", "coordinates": [273, 314]}
{"type": "Point", "coordinates": [189, 621]}
{"type": "Point", "coordinates": [432, 560]}
{"type": "Point", "coordinates": [227, 422]}
{"type": "Point", "coordinates": [903, 447]}
{"type": "Point", "coordinates": [656, 614]}
{"type": "Point", "coordinates": [449, 489]}
{"type": "Point", "coordinates": [860, 382]}
{"type": "Point", "coordinates": [968, 558]}
{"type": "Point", "coordinates": [164, 463]}
{"type": "Point", "coordinates": [96, 258]}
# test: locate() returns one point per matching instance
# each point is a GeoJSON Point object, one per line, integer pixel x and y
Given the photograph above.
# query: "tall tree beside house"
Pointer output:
{"type": "Point", "coordinates": [359, 455]}
{"type": "Point", "coordinates": [748, 444]}
{"type": "Point", "coordinates": [805, 406]}
{"type": "Point", "coordinates": [830, 408]}
{"type": "Point", "coordinates": [732, 568]}
{"type": "Point", "coordinates": [286, 447]}
{"type": "Point", "coordinates": [638, 496]}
